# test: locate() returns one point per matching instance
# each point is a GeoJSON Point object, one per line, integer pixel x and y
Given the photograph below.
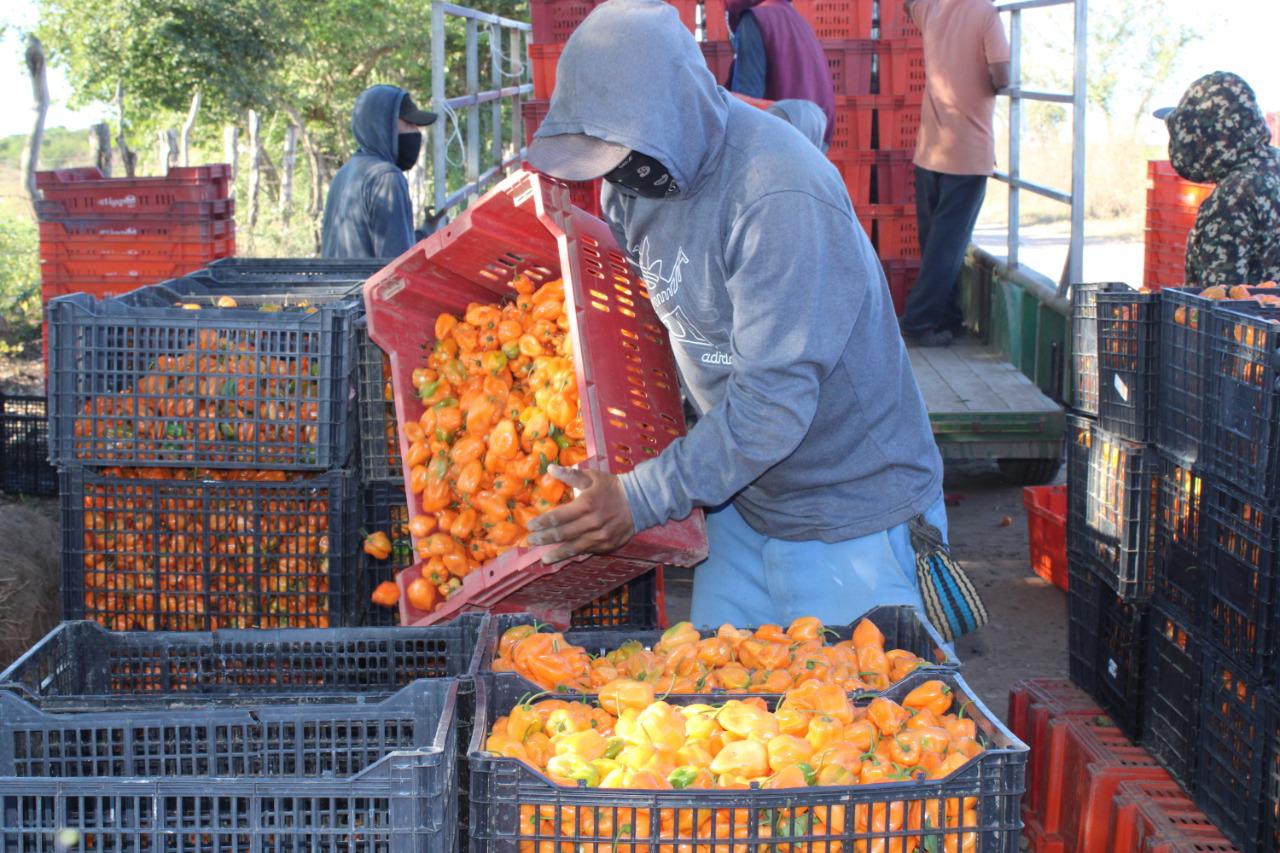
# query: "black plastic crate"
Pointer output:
{"type": "Point", "coordinates": [1171, 712]}
{"type": "Point", "coordinates": [633, 605]}
{"type": "Point", "coordinates": [1084, 589]}
{"type": "Point", "coordinates": [1181, 574]}
{"type": "Point", "coordinates": [140, 553]}
{"type": "Point", "coordinates": [1244, 448]}
{"type": "Point", "coordinates": [349, 272]}
{"type": "Point", "coordinates": [903, 626]}
{"type": "Point", "coordinates": [506, 794]}
{"type": "Point", "coordinates": [24, 447]}
{"type": "Point", "coordinates": [384, 509]}
{"type": "Point", "coordinates": [83, 666]}
{"type": "Point", "coordinates": [1242, 541]}
{"type": "Point", "coordinates": [1128, 363]}
{"type": "Point", "coordinates": [141, 380]}
{"type": "Point", "coordinates": [379, 438]}
{"type": "Point", "coordinates": [1236, 754]}
{"type": "Point", "coordinates": [1111, 507]}
{"type": "Point", "coordinates": [362, 776]}
{"type": "Point", "coordinates": [1121, 664]}
{"type": "Point", "coordinates": [1084, 343]}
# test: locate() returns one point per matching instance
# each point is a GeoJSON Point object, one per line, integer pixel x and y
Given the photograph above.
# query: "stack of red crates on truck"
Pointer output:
{"type": "Point", "coordinates": [108, 236]}
{"type": "Point", "coordinates": [1172, 205]}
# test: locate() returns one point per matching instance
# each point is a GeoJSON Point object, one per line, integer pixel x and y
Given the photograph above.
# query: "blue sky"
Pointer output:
{"type": "Point", "coordinates": [1243, 39]}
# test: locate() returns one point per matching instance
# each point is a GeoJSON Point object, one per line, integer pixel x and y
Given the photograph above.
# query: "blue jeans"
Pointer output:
{"type": "Point", "coordinates": [947, 207]}
{"type": "Point", "coordinates": [750, 579]}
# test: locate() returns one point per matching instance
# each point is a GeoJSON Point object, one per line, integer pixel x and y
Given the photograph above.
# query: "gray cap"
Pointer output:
{"type": "Point", "coordinates": [575, 156]}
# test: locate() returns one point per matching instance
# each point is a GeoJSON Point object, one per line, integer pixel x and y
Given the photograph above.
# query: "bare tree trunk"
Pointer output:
{"type": "Point", "coordinates": [255, 164]}
{"type": "Point", "coordinates": [40, 94]}
{"type": "Point", "coordinates": [187, 125]}
{"type": "Point", "coordinates": [127, 156]}
{"type": "Point", "coordinates": [231, 153]}
{"type": "Point", "coordinates": [316, 165]}
{"type": "Point", "coordinates": [288, 161]}
{"type": "Point", "coordinates": [168, 149]}
{"type": "Point", "coordinates": [100, 148]}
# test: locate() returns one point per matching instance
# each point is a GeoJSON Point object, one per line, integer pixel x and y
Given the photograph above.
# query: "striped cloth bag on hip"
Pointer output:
{"type": "Point", "coordinates": [951, 601]}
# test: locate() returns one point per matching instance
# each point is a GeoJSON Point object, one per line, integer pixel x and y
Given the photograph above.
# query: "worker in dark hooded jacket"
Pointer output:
{"type": "Point", "coordinates": [812, 447]}
{"type": "Point", "coordinates": [1217, 135]}
{"type": "Point", "coordinates": [368, 213]}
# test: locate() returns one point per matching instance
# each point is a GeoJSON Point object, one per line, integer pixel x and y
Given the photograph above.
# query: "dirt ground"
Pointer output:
{"type": "Point", "coordinates": [1027, 634]}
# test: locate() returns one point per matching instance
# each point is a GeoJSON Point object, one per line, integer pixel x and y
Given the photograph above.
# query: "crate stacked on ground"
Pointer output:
{"type": "Point", "coordinates": [1172, 205]}
{"type": "Point", "coordinates": [107, 236]}
{"type": "Point", "coordinates": [203, 435]}
{"type": "Point", "coordinates": [315, 740]}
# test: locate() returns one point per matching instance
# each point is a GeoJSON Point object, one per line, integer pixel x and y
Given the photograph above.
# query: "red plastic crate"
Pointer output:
{"type": "Point", "coordinates": [544, 58]}
{"type": "Point", "coordinates": [716, 23]}
{"type": "Point", "coordinates": [901, 273]}
{"type": "Point", "coordinates": [901, 63]}
{"type": "Point", "coordinates": [80, 251]}
{"type": "Point", "coordinates": [127, 269]}
{"type": "Point", "coordinates": [117, 231]}
{"type": "Point", "coordinates": [1170, 188]}
{"type": "Point", "coordinates": [84, 192]}
{"type": "Point", "coordinates": [849, 61]}
{"type": "Point", "coordinates": [151, 204]}
{"type": "Point", "coordinates": [879, 122]}
{"type": "Point", "coordinates": [851, 132]}
{"type": "Point", "coordinates": [1159, 817]}
{"type": "Point", "coordinates": [1047, 532]}
{"type": "Point", "coordinates": [1033, 705]}
{"type": "Point", "coordinates": [688, 11]}
{"type": "Point", "coordinates": [95, 287]}
{"type": "Point", "coordinates": [630, 393]}
{"type": "Point", "coordinates": [855, 168]}
{"type": "Point", "coordinates": [895, 178]}
{"type": "Point", "coordinates": [895, 23]}
{"type": "Point", "coordinates": [1039, 841]}
{"type": "Point", "coordinates": [719, 57]}
{"type": "Point", "coordinates": [893, 228]}
{"type": "Point", "coordinates": [1175, 217]}
{"type": "Point", "coordinates": [1096, 759]}
{"type": "Point", "coordinates": [555, 20]}
{"type": "Point", "coordinates": [897, 121]}
{"type": "Point", "coordinates": [531, 115]}
{"type": "Point", "coordinates": [837, 19]}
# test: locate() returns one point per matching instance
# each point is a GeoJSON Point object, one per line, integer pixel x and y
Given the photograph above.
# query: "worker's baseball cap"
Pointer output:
{"type": "Point", "coordinates": [1164, 112]}
{"type": "Point", "coordinates": [575, 156]}
{"type": "Point", "coordinates": [409, 112]}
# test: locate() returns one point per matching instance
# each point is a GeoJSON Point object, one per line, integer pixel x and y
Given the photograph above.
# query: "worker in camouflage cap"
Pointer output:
{"type": "Point", "coordinates": [1217, 135]}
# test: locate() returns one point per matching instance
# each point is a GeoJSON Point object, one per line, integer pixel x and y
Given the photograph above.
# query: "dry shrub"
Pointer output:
{"type": "Point", "coordinates": [29, 606]}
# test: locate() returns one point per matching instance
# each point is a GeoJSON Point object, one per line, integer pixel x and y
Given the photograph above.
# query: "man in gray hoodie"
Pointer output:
{"type": "Point", "coordinates": [812, 447]}
{"type": "Point", "coordinates": [368, 213]}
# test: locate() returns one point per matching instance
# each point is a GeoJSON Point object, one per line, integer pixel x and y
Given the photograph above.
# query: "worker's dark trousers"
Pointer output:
{"type": "Point", "coordinates": [946, 209]}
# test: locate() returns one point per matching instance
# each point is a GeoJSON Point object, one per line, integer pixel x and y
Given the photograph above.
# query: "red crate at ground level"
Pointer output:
{"type": "Point", "coordinates": [901, 273]}
{"type": "Point", "coordinates": [719, 57]}
{"type": "Point", "coordinates": [849, 61]}
{"type": "Point", "coordinates": [630, 394]}
{"type": "Point", "coordinates": [1158, 817]}
{"type": "Point", "coordinates": [901, 63]}
{"type": "Point", "coordinates": [1033, 706]}
{"type": "Point", "coordinates": [837, 19]}
{"type": "Point", "coordinates": [1097, 758]}
{"type": "Point", "coordinates": [1047, 532]}
{"type": "Point", "coordinates": [1039, 841]}
{"type": "Point", "coordinates": [545, 58]}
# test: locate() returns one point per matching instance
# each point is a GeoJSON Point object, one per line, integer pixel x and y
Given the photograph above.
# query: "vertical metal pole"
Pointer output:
{"type": "Point", "coordinates": [518, 53]}
{"type": "Point", "coordinates": [1075, 253]}
{"type": "Point", "coordinates": [473, 111]}
{"type": "Point", "coordinates": [496, 81]}
{"type": "Point", "coordinates": [1015, 131]}
{"type": "Point", "coordinates": [439, 170]}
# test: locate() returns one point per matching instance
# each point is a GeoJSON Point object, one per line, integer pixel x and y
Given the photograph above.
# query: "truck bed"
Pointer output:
{"type": "Point", "coordinates": [981, 406]}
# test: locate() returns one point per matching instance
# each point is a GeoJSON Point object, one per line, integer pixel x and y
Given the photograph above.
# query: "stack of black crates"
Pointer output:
{"type": "Point", "coordinates": [1173, 535]}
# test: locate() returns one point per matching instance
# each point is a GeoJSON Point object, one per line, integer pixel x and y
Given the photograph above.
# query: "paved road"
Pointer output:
{"type": "Point", "coordinates": [1044, 249]}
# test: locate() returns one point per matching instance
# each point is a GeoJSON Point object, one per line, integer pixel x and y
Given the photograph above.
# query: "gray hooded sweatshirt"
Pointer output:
{"type": "Point", "coordinates": [805, 116]}
{"type": "Point", "coordinates": [368, 213]}
{"type": "Point", "coordinates": [809, 418]}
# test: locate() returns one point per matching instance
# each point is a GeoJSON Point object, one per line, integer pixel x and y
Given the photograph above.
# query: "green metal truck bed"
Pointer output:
{"type": "Point", "coordinates": [982, 406]}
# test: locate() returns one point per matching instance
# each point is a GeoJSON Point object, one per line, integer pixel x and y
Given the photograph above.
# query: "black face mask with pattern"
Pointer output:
{"type": "Point", "coordinates": [644, 176]}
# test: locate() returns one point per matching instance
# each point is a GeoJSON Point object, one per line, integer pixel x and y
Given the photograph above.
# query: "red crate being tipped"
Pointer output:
{"type": "Point", "coordinates": [625, 371]}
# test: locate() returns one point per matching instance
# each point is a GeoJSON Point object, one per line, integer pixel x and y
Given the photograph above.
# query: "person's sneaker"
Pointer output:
{"type": "Point", "coordinates": [941, 338]}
